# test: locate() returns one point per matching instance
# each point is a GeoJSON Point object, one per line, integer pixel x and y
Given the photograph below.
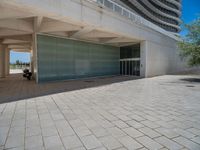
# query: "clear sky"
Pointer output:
{"type": "Point", "coordinates": [190, 10]}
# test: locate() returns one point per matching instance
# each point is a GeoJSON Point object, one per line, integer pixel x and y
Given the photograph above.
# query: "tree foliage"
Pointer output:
{"type": "Point", "coordinates": [190, 47]}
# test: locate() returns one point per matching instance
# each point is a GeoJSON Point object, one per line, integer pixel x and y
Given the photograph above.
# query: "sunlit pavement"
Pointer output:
{"type": "Point", "coordinates": [100, 114]}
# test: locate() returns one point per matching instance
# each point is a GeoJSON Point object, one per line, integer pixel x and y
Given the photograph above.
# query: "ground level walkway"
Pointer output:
{"type": "Point", "coordinates": [101, 114]}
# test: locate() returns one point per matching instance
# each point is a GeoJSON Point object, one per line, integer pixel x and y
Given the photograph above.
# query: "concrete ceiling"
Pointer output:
{"type": "Point", "coordinates": [17, 27]}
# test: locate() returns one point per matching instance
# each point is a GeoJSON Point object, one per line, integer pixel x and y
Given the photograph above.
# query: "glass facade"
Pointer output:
{"type": "Point", "coordinates": [61, 59]}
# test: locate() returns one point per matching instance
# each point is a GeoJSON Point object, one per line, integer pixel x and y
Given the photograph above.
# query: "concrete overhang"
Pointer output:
{"type": "Point", "coordinates": [77, 19]}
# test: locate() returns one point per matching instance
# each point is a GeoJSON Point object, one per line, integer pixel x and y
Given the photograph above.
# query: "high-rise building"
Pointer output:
{"type": "Point", "coordinates": [164, 13]}
{"type": "Point", "coordinates": [71, 39]}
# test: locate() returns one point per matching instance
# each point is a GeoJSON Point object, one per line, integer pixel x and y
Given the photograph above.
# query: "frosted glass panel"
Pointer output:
{"type": "Point", "coordinates": [61, 59]}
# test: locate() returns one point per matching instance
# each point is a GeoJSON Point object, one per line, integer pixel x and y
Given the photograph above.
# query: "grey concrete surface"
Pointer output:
{"type": "Point", "coordinates": [101, 114]}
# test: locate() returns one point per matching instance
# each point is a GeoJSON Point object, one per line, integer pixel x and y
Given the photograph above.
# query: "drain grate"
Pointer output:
{"type": "Point", "coordinates": [190, 86]}
{"type": "Point", "coordinates": [89, 81]}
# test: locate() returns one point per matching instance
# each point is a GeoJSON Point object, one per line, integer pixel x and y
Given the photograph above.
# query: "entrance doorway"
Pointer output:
{"type": "Point", "coordinates": [19, 61]}
{"type": "Point", "coordinates": [130, 60]}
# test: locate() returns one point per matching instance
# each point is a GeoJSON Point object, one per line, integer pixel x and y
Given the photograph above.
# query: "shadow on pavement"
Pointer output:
{"type": "Point", "coordinates": [14, 87]}
{"type": "Point", "coordinates": [193, 80]}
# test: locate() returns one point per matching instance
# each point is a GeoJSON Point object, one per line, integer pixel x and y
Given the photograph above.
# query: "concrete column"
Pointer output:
{"type": "Point", "coordinates": [2, 61]}
{"type": "Point", "coordinates": [34, 57]}
{"type": "Point", "coordinates": [143, 59]}
{"type": "Point", "coordinates": [31, 60]}
{"type": "Point", "coordinates": [7, 61]}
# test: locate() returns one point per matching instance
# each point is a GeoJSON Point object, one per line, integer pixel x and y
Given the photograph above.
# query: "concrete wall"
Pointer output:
{"type": "Point", "coordinates": [160, 58]}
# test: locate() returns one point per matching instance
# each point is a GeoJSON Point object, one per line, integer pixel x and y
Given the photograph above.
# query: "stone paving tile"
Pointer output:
{"type": "Point", "coordinates": [37, 148]}
{"type": "Point", "coordinates": [155, 113]}
{"type": "Point", "coordinates": [170, 133]}
{"type": "Point", "coordinates": [196, 139]}
{"type": "Point", "coordinates": [91, 142]}
{"type": "Point", "coordinates": [16, 131]}
{"type": "Point", "coordinates": [35, 130]}
{"type": "Point", "coordinates": [102, 148]}
{"type": "Point", "coordinates": [57, 148]}
{"type": "Point", "coordinates": [33, 142]}
{"type": "Point", "coordinates": [3, 134]}
{"type": "Point", "coordinates": [52, 142]}
{"type": "Point", "coordinates": [49, 131]}
{"type": "Point", "coordinates": [194, 131]}
{"type": "Point", "coordinates": [135, 124]}
{"type": "Point", "coordinates": [120, 124]}
{"type": "Point", "coordinates": [82, 131]}
{"type": "Point", "coordinates": [137, 117]}
{"type": "Point", "coordinates": [149, 132]}
{"type": "Point", "coordinates": [149, 143]}
{"type": "Point", "coordinates": [71, 142]}
{"type": "Point", "coordinates": [187, 143]}
{"type": "Point", "coordinates": [18, 123]}
{"type": "Point", "coordinates": [15, 148]}
{"type": "Point", "coordinates": [168, 143]}
{"type": "Point", "coordinates": [184, 133]}
{"type": "Point", "coordinates": [130, 143]}
{"type": "Point", "coordinates": [133, 132]}
{"type": "Point", "coordinates": [110, 143]}
{"type": "Point", "coordinates": [79, 148]}
{"type": "Point", "coordinates": [116, 132]}
{"type": "Point", "coordinates": [150, 124]}
{"type": "Point", "coordinates": [14, 141]}
{"type": "Point", "coordinates": [124, 117]}
{"type": "Point", "coordinates": [99, 132]}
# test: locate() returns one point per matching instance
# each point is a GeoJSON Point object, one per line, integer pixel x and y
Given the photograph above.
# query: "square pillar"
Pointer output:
{"type": "Point", "coordinates": [33, 62]}
{"type": "Point", "coordinates": [7, 61]}
{"type": "Point", "coordinates": [143, 59]}
{"type": "Point", "coordinates": [2, 61]}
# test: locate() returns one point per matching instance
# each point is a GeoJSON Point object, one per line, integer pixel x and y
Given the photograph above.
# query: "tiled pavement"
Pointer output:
{"type": "Point", "coordinates": [156, 113]}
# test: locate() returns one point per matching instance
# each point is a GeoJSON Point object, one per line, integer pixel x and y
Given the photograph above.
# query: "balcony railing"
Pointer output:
{"type": "Point", "coordinates": [111, 5]}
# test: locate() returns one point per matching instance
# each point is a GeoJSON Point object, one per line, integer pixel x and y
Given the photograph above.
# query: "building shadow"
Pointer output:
{"type": "Point", "coordinates": [15, 87]}
{"type": "Point", "coordinates": [191, 80]}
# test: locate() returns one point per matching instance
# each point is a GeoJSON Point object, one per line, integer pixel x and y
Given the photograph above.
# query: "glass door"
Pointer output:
{"type": "Point", "coordinates": [130, 60]}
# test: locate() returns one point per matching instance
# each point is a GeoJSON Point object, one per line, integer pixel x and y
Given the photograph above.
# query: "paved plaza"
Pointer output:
{"type": "Point", "coordinates": [101, 114]}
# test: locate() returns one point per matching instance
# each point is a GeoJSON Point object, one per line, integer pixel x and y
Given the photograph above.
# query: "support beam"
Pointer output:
{"type": "Point", "coordinates": [37, 23]}
{"type": "Point", "coordinates": [25, 46]}
{"type": "Point", "coordinates": [82, 32]}
{"type": "Point", "coordinates": [22, 50]}
{"type": "Point", "coordinates": [16, 42]}
{"type": "Point", "coordinates": [16, 24]}
{"type": "Point", "coordinates": [126, 44]}
{"type": "Point", "coordinates": [57, 26]}
{"type": "Point", "coordinates": [120, 40]}
{"type": "Point", "coordinates": [101, 34]}
{"type": "Point", "coordinates": [25, 38]}
{"type": "Point", "coordinates": [104, 40]}
{"type": "Point", "coordinates": [9, 32]}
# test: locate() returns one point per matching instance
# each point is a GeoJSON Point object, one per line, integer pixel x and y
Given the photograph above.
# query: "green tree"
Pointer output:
{"type": "Point", "coordinates": [17, 62]}
{"type": "Point", "coordinates": [190, 46]}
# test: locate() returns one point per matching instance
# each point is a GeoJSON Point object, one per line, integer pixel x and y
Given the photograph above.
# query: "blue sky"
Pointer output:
{"type": "Point", "coordinates": [190, 10]}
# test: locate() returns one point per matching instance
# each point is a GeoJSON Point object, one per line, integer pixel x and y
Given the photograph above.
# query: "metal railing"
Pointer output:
{"type": "Point", "coordinates": [130, 66]}
{"type": "Point", "coordinates": [131, 15]}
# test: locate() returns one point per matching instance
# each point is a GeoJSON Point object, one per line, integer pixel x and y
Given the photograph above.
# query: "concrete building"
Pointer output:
{"type": "Point", "coordinates": [70, 39]}
{"type": "Point", "coordinates": [164, 13]}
